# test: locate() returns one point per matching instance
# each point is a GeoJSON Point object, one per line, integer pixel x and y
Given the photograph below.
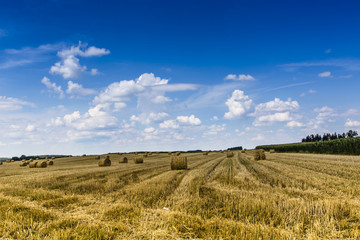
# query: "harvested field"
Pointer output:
{"type": "Point", "coordinates": [286, 196]}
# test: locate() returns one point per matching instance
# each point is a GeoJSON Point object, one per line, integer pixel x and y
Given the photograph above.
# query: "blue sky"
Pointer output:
{"type": "Point", "coordinates": [105, 76]}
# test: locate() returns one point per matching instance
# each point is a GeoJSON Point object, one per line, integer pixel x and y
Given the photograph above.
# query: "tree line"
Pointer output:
{"type": "Point", "coordinates": [329, 136]}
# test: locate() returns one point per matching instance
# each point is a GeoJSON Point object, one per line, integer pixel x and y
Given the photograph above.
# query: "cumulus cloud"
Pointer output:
{"type": "Point", "coordinates": [352, 123]}
{"type": "Point", "coordinates": [152, 117]}
{"type": "Point", "coordinates": [52, 87]}
{"type": "Point", "coordinates": [276, 117]}
{"type": "Point", "coordinates": [77, 89]}
{"type": "Point", "coordinates": [12, 104]}
{"type": "Point", "coordinates": [69, 66]}
{"type": "Point", "coordinates": [94, 71]}
{"type": "Point", "coordinates": [30, 128]}
{"type": "Point", "coordinates": [215, 129]}
{"type": "Point", "coordinates": [277, 105]}
{"type": "Point", "coordinates": [293, 124]}
{"type": "Point", "coordinates": [190, 120]}
{"type": "Point", "coordinates": [238, 104]}
{"type": "Point", "coordinates": [149, 130]}
{"type": "Point", "coordinates": [83, 51]}
{"type": "Point", "coordinates": [149, 79]}
{"type": "Point", "coordinates": [119, 92]}
{"type": "Point", "coordinates": [324, 74]}
{"type": "Point", "coordinates": [96, 117]}
{"type": "Point", "coordinates": [169, 124]}
{"type": "Point", "coordinates": [240, 77]}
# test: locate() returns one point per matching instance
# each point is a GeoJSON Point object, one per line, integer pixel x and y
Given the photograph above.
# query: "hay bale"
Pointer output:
{"type": "Point", "coordinates": [37, 159]}
{"type": "Point", "coordinates": [150, 153]}
{"type": "Point", "coordinates": [205, 153]}
{"type": "Point", "coordinates": [177, 153]}
{"type": "Point", "coordinates": [52, 158]}
{"type": "Point", "coordinates": [1, 163]}
{"type": "Point", "coordinates": [145, 155]}
{"type": "Point", "coordinates": [33, 164]}
{"type": "Point", "coordinates": [243, 151]}
{"type": "Point", "coordinates": [105, 162]}
{"type": "Point", "coordinates": [138, 160]}
{"type": "Point", "coordinates": [23, 164]}
{"type": "Point", "coordinates": [41, 164]}
{"type": "Point", "coordinates": [272, 151]}
{"type": "Point", "coordinates": [178, 163]}
{"type": "Point", "coordinates": [259, 155]}
{"type": "Point", "coordinates": [97, 157]}
{"type": "Point", "coordinates": [12, 160]}
{"type": "Point", "coordinates": [229, 154]}
{"type": "Point", "coordinates": [123, 160]}
{"type": "Point", "coordinates": [84, 155]}
{"type": "Point", "coordinates": [31, 160]}
{"type": "Point", "coordinates": [169, 153]}
{"type": "Point", "coordinates": [50, 162]}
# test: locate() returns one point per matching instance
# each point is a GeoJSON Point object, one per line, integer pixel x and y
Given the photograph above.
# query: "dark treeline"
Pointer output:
{"type": "Point", "coordinates": [24, 157]}
{"type": "Point", "coordinates": [329, 136]}
{"type": "Point", "coordinates": [236, 148]}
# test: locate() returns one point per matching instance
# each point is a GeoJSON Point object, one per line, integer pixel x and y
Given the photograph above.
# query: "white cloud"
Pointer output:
{"type": "Point", "coordinates": [239, 104]}
{"type": "Point", "coordinates": [190, 120]}
{"type": "Point", "coordinates": [214, 118]}
{"type": "Point", "coordinates": [324, 74]}
{"type": "Point", "coordinates": [149, 129]}
{"type": "Point", "coordinates": [119, 92]}
{"type": "Point", "coordinates": [52, 87]}
{"type": "Point", "coordinates": [168, 124]}
{"type": "Point", "coordinates": [94, 71]}
{"type": "Point", "coordinates": [292, 124]}
{"type": "Point", "coordinates": [82, 51]}
{"type": "Point", "coordinates": [352, 123]}
{"type": "Point", "coordinates": [118, 106]}
{"type": "Point", "coordinates": [149, 79]}
{"type": "Point", "coordinates": [69, 67]}
{"type": "Point", "coordinates": [161, 99]}
{"type": "Point", "coordinates": [149, 118]}
{"type": "Point", "coordinates": [276, 117]}
{"type": "Point", "coordinates": [176, 87]}
{"type": "Point", "coordinates": [69, 118]}
{"type": "Point", "coordinates": [30, 128]}
{"type": "Point", "coordinates": [77, 89]}
{"type": "Point", "coordinates": [240, 77]}
{"type": "Point", "coordinates": [12, 104]}
{"type": "Point", "coordinates": [215, 129]}
{"type": "Point", "coordinates": [277, 106]}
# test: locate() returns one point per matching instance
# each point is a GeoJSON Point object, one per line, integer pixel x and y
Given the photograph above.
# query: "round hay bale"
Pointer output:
{"type": "Point", "coordinates": [123, 160]}
{"type": "Point", "coordinates": [177, 153]}
{"type": "Point", "coordinates": [105, 162]}
{"type": "Point", "coordinates": [8, 161]}
{"type": "Point", "coordinates": [272, 151]}
{"type": "Point", "coordinates": [41, 164]}
{"type": "Point", "coordinates": [52, 158]}
{"type": "Point", "coordinates": [259, 155]}
{"type": "Point", "coordinates": [1, 163]}
{"type": "Point", "coordinates": [31, 160]}
{"type": "Point", "coordinates": [12, 160]}
{"type": "Point", "coordinates": [169, 153]}
{"type": "Point", "coordinates": [84, 155]}
{"type": "Point", "coordinates": [178, 163]}
{"type": "Point", "coordinates": [242, 151]}
{"type": "Point", "coordinates": [205, 153]}
{"type": "Point", "coordinates": [37, 158]}
{"type": "Point", "coordinates": [145, 155]}
{"type": "Point", "coordinates": [150, 153]}
{"type": "Point", "coordinates": [23, 164]}
{"type": "Point", "coordinates": [33, 164]}
{"type": "Point", "coordinates": [229, 154]}
{"type": "Point", "coordinates": [138, 160]}
{"type": "Point", "coordinates": [50, 162]}
{"type": "Point", "coordinates": [97, 157]}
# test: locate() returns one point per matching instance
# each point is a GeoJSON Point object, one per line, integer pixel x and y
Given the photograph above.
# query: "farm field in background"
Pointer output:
{"type": "Point", "coordinates": [286, 196]}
